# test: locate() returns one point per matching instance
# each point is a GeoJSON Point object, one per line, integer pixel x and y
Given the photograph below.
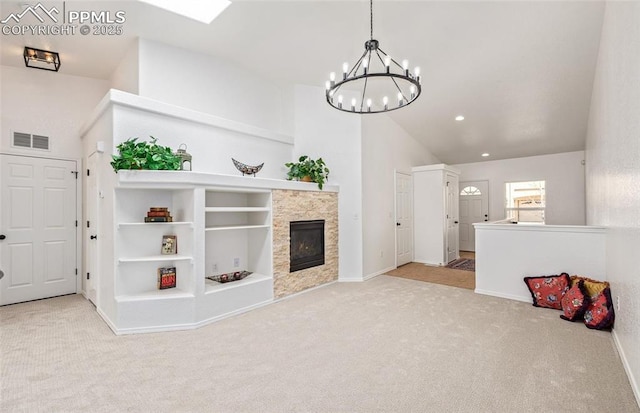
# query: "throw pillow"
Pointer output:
{"type": "Point", "coordinates": [575, 302]}
{"type": "Point", "coordinates": [232, 276]}
{"type": "Point", "coordinates": [599, 314]}
{"type": "Point", "coordinates": [592, 287]}
{"type": "Point", "coordinates": [547, 291]}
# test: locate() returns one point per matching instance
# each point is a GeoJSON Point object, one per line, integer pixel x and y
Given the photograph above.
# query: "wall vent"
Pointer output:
{"type": "Point", "coordinates": [25, 140]}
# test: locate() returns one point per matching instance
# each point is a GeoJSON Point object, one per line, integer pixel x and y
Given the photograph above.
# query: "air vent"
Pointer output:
{"type": "Point", "coordinates": [40, 142]}
{"type": "Point", "coordinates": [22, 140]}
{"type": "Point", "coordinates": [25, 140]}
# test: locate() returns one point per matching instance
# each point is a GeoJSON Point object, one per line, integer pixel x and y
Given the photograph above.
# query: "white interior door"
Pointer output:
{"type": "Point", "coordinates": [451, 208]}
{"type": "Point", "coordinates": [91, 233]}
{"type": "Point", "coordinates": [38, 221]}
{"type": "Point", "coordinates": [404, 219]}
{"type": "Point", "coordinates": [474, 207]}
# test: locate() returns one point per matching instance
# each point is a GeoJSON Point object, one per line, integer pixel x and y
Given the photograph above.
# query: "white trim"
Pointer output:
{"type": "Point", "coordinates": [501, 226]}
{"type": "Point", "coordinates": [436, 167]}
{"type": "Point", "coordinates": [635, 387]}
{"type": "Point", "coordinates": [124, 99]}
{"type": "Point", "coordinates": [430, 264]}
{"type": "Point", "coordinates": [377, 273]}
{"type": "Point", "coordinates": [502, 295]}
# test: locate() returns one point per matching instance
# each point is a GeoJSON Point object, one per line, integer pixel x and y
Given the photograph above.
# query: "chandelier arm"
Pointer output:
{"type": "Point", "coordinates": [399, 90]}
{"type": "Point", "coordinates": [364, 91]}
{"type": "Point", "coordinates": [355, 67]}
{"type": "Point", "coordinates": [392, 59]}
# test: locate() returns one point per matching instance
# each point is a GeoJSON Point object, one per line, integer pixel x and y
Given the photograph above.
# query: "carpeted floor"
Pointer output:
{"type": "Point", "coordinates": [385, 345]}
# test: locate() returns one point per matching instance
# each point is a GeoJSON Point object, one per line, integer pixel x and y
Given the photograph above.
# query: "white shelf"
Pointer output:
{"type": "Point", "coordinates": [232, 227]}
{"type": "Point", "coordinates": [156, 258]}
{"type": "Point", "coordinates": [155, 295]}
{"type": "Point", "coordinates": [213, 287]}
{"type": "Point", "coordinates": [237, 209]}
{"type": "Point", "coordinates": [150, 224]}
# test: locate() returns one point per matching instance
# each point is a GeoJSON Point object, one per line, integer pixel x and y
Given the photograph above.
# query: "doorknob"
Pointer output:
{"type": "Point", "coordinates": [2, 237]}
{"type": "Point", "coordinates": [455, 222]}
{"type": "Point", "coordinates": [397, 224]}
{"type": "Point", "coordinates": [93, 237]}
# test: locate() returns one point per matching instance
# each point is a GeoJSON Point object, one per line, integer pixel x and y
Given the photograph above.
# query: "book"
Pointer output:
{"type": "Point", "coordinates": [169, 245]}
{"type": "Point", "coordinates": [158, 219]}
{"type": "Point", "coordinates": [166, 277]}
{"type": "Point", "coordinates": [158, 214]}
{"type": "Point", "coordinates": [158, 209]}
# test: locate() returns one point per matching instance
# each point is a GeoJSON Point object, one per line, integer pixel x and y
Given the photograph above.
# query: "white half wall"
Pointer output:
{"type": "Point", "coordinates": [386, 147]}
{"type": "Point", "coordinates": [506, 253]}
{"type": "Point", "coordinates": [210, 85]}
{"type": "Point", "coordinates": [563, 173]}
{"type": "Point", "coordinates": [47, 103]}
{"type": "Point", "coordinates": [613, 171]}
{"type": "Point", "coordinates": [321, 131]}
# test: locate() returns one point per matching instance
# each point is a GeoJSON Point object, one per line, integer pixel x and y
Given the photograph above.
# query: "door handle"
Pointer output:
{"type": "Point", "coordinates": [2, 236]}
{"type": "Point", "coordinates": [455, 222]}
{"type": "Point", "coordinates": [397, 224]}
{"type": "Point", "coordinates": [93, 237]}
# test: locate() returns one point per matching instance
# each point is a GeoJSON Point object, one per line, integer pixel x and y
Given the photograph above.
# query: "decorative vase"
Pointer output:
{"type": "Point", "coordinates": [306, 178]}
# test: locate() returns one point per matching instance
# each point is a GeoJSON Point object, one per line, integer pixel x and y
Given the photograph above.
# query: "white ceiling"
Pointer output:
{"type": "Point", "coordinates": [520, 72]}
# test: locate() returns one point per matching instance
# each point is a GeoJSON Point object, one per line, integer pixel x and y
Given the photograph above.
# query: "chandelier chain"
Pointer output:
{"type": "Point", "coordinates": [371, 14]}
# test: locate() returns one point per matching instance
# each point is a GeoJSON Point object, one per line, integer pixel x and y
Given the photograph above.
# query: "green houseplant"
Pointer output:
{"type": "Point", "coordinates": [307, 169]}
{"type": "Point", "coordinates": [144, 155]}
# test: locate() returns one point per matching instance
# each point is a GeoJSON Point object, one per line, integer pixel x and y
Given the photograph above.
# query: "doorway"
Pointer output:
{"type": "Point", "coordinates": [404, 219]}
{"type": "Point", "coordinates": [452, 221]}
{"type": "Point", "coordinates": [474, 208]}
{"type": "Point", "coordinates": [38, 213]}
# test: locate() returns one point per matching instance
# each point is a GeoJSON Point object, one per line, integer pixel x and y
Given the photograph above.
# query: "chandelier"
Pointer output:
{"type": "Point", "coordinates": [375, 83]}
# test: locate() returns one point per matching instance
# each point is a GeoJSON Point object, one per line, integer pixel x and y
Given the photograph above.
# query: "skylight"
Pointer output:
{"type": "Point", "coordinates": [204, 11]}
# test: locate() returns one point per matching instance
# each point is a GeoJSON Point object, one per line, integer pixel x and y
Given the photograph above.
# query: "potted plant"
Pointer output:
{"type": "Point", "coordinates": [308, 170]}
{"type": "Point", "coordinates": [144, 155]}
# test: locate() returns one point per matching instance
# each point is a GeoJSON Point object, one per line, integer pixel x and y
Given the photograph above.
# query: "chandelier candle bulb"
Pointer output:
{"type": "Point", "coordinates": [387, 62]}
{"type": "Point", "coordinates": [417, 73]}
{"type": "Point", "coordinates": [412, 89]}
{"type": "Point", "coordinates": [339, 101]}
{"type": "Point", "coordinates": [345, 69]}
{"type": "Point", "coordinates": [353, 104]}
{"type": "Point", "coordinates": [368, 105]}
{"type": "Point", "coordinates": [405, 66]}
{"type": "Point", "coordinates": [332, 79]}
{"type": "Point", "coordinates": [385, 101]}
{"type": "Point", "coordinates": [364, 66]}
{"type": "Point", "coordinates": [327, 85]}
{"type": "Point", "coordinates": [400, 100]}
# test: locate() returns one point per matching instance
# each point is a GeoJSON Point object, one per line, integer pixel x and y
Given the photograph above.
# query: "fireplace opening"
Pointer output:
{"type": "Point", "coordinates": [306, 245]}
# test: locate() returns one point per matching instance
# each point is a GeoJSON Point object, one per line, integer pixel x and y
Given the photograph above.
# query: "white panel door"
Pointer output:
{"type": "Point", "coordinates": [38, 220]}
{"type": "Point", "coordinates": [404, 219]}
{"type": "Point", "coordinates": [474, 207]}
{"type": "Point", "coordinates": [451, 210]}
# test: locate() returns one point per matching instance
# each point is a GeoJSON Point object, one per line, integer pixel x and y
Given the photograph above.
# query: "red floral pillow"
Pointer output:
{"type": "Point", "coordinates": [575, 302]}
{"type": "Point", "coordinates": [599, 314]}
{"type": "Point", "coordinates": [548, 291]}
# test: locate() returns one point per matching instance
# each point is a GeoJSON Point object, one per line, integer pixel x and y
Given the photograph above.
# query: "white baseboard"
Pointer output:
{"type": "Point", "coordinates": [627, 368]}
{"type": "Point", "coordinates": [524, 299]}
{"type": "Point", "coordinates": [375, 274]}
{"type": "Point", "coordinates": [430, 264]}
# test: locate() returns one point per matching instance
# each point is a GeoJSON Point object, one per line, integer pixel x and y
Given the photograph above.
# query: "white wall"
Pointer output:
{"type": "Point", "coordinates": [321, 131]}
{"type": "Point", "coordinates": [210, 85]}
{"type": "Point", "coordinates": [47, 103]}
{"type": "Point", "coordinates": [126, 76]}
{"type": "Point", "coordinates": [386, 147]}
{"type": "Point", "coordinates": [613, 170]}
{"type": "Point", "coordinates": [563, 173]}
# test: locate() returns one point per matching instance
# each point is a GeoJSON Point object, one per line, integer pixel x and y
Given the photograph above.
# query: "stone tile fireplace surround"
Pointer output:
{"type": "Point", "coordinates": [289, 206]}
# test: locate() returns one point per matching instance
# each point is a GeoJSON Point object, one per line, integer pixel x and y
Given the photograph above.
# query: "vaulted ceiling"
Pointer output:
{"type": "Point", "coordinates": [520, 72]}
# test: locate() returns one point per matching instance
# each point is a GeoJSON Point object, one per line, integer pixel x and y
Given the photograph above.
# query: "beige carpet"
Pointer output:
{"type": "Point", "coordinates": [386, 345]}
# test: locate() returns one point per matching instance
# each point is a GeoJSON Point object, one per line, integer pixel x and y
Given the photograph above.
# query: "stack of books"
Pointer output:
{"type": "Point", "coordinates": [158, 214]}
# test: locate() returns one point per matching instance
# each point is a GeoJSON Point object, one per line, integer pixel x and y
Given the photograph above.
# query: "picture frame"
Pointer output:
{"type": "Point", "coordinates": [169, 245]}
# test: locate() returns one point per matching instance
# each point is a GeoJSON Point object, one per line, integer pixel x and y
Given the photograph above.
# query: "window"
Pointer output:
{"type": "Point", "coordinates": [470, 190]}
{"type": "Point", "coordinates": [525, 201]}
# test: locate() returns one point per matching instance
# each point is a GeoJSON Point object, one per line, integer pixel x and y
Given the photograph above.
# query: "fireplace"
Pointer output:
{"type": "Point", "coordinates": [306, 245]}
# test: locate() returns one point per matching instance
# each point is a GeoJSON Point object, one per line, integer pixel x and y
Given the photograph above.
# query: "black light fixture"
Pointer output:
{"type": "Point", "coordinates": [41, 59]}
{"type": "Point", "coordinates": [376, 82]}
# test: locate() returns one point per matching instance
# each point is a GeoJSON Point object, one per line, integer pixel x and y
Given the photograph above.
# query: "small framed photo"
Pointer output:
{"type": "Point", "coordinates": [169, 245]}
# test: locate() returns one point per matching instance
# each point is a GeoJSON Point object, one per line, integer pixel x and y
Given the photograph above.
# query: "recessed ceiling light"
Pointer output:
{"type": "Point", "coordinates": [204, 11]}
{"type": "Point", "coordinates": [459, 118]}
{"type": "Point", "coordinates": [484, 155]}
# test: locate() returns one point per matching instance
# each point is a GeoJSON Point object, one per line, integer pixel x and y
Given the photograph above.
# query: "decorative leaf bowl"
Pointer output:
{"type": "Point", "coordinates": [247, 169]}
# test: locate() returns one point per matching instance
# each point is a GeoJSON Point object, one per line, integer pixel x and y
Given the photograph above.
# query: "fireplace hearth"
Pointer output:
{"type": "Point", "coordinates": [306, 244]}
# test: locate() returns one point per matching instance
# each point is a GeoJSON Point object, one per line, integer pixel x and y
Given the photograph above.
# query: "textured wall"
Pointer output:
{"type": "Point", "coordinates": [298, 206]}
{"type": "Point", "coordinates": [613, 170]}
